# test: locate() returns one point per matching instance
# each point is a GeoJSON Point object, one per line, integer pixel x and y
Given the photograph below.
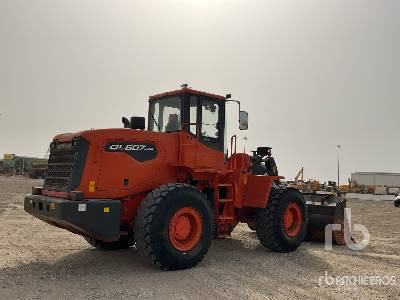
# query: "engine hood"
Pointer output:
{"type": "Point", "coordinates": [108, 134]}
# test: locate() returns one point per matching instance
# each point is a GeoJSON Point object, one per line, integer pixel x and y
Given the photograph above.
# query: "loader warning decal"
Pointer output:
{"type": "Point", "coordinates": [139, 151]}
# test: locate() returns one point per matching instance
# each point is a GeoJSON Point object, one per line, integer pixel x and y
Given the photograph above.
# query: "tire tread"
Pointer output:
{"type": "Point", "coordinates": [145, 216]}
{"type": "Point", "coordinates": [266, 219]}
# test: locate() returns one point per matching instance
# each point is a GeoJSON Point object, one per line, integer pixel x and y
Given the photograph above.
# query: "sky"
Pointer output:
{"type": "Point", "coordinates": [312, 74]}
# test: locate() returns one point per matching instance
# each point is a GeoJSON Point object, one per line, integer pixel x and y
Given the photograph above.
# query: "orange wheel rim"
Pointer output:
{"type": "Point", "coordinates": [292, 219]}
{"type": "Point", "coordinates": [185, 229]}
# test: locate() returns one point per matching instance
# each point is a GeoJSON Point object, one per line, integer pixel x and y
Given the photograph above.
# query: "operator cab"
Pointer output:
{"type": "Point", "coordinates": [200, 114]}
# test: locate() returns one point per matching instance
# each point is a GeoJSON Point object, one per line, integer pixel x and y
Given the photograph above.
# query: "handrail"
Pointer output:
{"type": "Point", "coordinates": [232, 159]}
{"type": "Point", "coordinates": [234, 137]}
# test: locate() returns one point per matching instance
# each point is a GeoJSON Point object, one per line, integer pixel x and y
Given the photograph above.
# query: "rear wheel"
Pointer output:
{"type": "Point", "coordinates": [174, 226]}
{"type": "Point", "coordinates": [125, 241]}
{"type": "Point", "coordinates": [282, 225]}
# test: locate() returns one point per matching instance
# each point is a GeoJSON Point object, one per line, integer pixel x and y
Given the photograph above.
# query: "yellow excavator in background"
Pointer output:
{"type": "Point", "coordinates": [310, 186]}
{"type": "Point", "coordinates": [296, 183]}
{"type": "Point", "coordinates": [314, 193]}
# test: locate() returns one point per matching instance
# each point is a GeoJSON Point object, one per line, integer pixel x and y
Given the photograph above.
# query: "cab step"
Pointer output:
{"type": "Point", "coordinates": [225, 200]}
{"type": "Point", "coordinates": [223, 218]}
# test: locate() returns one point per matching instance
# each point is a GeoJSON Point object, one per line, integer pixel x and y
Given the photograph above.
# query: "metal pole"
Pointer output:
{"type": "Point", "coordinates": [338, 165]}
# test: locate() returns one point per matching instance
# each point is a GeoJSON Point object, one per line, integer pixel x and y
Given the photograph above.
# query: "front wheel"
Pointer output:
{"type": "Point", "coordinates": [282, 225]}
{"type": "Point", "coordinates": [174, 226]}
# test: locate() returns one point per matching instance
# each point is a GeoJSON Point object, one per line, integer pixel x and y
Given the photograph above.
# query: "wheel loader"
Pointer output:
{"type": "Point", "coordinates": [172, 188]}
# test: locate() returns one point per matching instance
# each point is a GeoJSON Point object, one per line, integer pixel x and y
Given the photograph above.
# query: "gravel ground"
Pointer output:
{"type": "Point", "coordinates": [38, 261]}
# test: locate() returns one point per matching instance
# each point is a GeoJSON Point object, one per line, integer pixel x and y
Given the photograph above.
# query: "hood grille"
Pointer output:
{"type": "Point", "coordinates": [65, 165]}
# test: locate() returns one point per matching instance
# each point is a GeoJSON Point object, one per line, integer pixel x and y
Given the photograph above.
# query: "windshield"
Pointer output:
{"type": "Point", "coordinates": [165, 114]}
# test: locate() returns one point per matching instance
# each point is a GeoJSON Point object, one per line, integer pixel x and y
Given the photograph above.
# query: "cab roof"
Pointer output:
{"type": "Point", "coordinates": [186, 91]}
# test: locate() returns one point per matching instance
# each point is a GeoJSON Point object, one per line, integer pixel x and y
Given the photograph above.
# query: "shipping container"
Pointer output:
{"type": "Point", "coordinates": [377, 178]}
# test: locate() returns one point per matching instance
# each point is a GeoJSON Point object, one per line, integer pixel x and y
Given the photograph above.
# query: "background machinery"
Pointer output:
{"type": "Point", "coordinates": [38, 168]}
{"type": "Point", "coordinates": [171, 188]}
{"type": "Point", "coordinates": [296, 183]}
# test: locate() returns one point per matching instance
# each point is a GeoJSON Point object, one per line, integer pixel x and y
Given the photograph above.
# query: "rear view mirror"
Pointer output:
{"type": "Point", "coordinates": [243, 120]}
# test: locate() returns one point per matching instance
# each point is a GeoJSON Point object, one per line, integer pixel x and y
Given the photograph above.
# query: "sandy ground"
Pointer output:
{"type": "Point", "coordinates": [38, 261]}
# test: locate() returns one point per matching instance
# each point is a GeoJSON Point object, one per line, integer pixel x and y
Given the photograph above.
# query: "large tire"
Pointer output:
{"type": "Point", "coordinates": [124, 242]}
{"type": "Point", "coordinates": [282, 225]}
{"type": "Point", "coordinates": [174, 226]}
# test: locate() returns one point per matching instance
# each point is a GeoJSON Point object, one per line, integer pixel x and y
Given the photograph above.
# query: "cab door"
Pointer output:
{"type": "Point", "coordinates": [205, 116]}
{"type": "Point", "coordinates": [212, 116]}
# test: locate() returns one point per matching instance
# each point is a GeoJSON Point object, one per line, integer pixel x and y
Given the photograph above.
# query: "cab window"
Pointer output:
{"type": "Point", "coordinates": [165, 114]}
{"type": "Point", "coordinates": [210, 119]}
{"type": "Point", "coordinates": [193, 114]}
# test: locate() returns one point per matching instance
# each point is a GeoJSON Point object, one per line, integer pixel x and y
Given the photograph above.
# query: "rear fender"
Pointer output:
{"type": "Point", "coordinates": [258, 189]}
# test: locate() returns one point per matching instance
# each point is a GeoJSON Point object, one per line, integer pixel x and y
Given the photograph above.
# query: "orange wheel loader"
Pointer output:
{"type": "Point", "coordinates": [171, 188]}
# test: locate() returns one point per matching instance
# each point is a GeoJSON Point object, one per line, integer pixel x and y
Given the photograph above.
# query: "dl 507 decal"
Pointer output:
{"type": "Point", "coordinates": [139, 151]}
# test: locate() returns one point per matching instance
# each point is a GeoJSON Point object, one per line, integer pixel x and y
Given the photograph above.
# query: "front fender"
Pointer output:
{"type": "Point", "coordinates": [258, 189]}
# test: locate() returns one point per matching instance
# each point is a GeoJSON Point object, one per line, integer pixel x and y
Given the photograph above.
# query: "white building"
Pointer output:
{"type": "Point", "coordinates": [377, 178]}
